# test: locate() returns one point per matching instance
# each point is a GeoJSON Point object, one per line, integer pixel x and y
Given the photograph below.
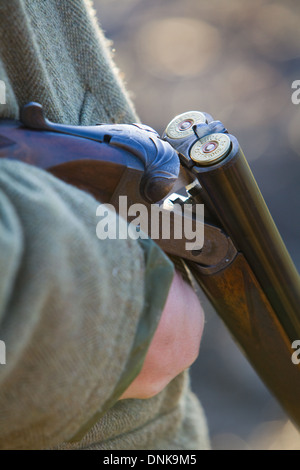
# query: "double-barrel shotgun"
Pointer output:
{"type": "Point", "coordinates": [242, 266]}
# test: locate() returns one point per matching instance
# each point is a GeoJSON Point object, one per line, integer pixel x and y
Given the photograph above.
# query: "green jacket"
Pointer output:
{"type": "Point", "coordinates": [75, 311]}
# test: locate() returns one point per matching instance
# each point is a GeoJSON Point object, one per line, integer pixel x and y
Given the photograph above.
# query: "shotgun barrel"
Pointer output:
{"type": "Point", "coordinates": [258, 293]}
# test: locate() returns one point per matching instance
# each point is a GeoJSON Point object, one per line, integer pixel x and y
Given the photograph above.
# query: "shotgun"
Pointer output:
{"type": "Point", "coordinates": [242, 266]}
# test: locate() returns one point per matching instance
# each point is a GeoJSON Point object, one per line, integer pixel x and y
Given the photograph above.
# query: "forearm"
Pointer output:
{"type": "Point", "coordinates": [73, 310]}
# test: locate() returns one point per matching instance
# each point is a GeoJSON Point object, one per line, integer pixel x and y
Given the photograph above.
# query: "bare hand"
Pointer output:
{"type": "Point", "coordinates": [175, 344]}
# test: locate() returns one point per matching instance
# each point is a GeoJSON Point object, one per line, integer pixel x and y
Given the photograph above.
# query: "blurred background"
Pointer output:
{"type": "Point", "coordinates": [235, 60]}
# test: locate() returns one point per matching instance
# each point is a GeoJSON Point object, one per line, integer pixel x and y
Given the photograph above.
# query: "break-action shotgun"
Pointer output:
{"type": "Point", "coordinates": [243, 265]}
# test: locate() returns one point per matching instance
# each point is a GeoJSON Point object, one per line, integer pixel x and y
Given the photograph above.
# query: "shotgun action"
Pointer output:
{"type": "Point", "coordinates": [243, 266]}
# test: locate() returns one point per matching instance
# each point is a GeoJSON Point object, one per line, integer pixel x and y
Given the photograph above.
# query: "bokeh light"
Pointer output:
{"type": "Point", "coordinates": [171, 48]}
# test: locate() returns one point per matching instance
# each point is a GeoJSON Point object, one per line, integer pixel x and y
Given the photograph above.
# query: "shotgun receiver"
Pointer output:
{"type": "Point", "coordinates": [243, 265]}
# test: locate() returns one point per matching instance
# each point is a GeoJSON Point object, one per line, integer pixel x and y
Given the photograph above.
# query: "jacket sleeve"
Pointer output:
{"type": "Point", "coordinates": [77, 314]}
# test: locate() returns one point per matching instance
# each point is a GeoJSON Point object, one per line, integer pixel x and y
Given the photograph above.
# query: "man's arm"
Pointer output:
{"type": "Point", "coordinates": [74, 315]}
